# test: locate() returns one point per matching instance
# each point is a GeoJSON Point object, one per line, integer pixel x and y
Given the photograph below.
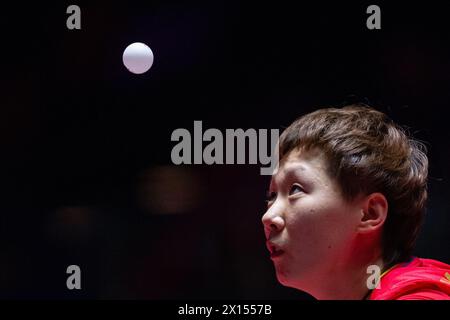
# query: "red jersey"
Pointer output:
{"type": "Point", "coordinates": [419, 279]}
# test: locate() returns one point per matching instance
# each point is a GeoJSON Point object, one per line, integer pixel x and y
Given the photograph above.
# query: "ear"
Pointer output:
{"type": "Point", "coordinates": [373, 213]}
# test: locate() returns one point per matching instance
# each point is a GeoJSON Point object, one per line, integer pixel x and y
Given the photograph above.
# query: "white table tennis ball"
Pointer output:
{"type": "Point", "coordinates": [137, 58]}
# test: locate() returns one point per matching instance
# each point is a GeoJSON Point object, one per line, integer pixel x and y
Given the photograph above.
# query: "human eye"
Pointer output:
{"type": "Point", "coordinates": [270, 197]}
{"type": "Point", "coordinates": [295, 189]}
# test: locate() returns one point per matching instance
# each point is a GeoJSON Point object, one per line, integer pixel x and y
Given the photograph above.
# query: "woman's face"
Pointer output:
{"type": "Point", "coordinates": [309, 227]}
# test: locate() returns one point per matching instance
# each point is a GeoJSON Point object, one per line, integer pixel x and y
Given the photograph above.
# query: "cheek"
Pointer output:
{"type": "Point", "coordinates": [307, 230]}
{"type": "Point", "coordinates": [318, 227]}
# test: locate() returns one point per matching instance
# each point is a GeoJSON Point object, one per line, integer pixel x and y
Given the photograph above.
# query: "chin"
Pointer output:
{"type": "Point", "coordinates": [284, 277]}
{"type": "Point", "coordinates": [285, 282]}
{"type": "Point", "coordinates": [290, 279]}
{"type": "Point", "coordinates": [291, 283]}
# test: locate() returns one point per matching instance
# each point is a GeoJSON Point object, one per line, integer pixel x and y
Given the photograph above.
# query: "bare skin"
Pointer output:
{"type": "Point", "coordinates": [319, 242]}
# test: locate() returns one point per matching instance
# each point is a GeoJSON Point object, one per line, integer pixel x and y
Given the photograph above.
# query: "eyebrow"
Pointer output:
{"type": "Point", "coordinates": [288, 170]}
{"type": "Point", "coordinates": [291, 168]}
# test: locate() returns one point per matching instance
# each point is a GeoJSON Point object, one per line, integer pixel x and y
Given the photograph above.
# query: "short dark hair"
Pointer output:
{"type": "Point", "coordinates": [367, 152]}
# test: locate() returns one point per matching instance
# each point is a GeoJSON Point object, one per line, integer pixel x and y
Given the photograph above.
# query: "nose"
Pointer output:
{"type": "Point", "coordinates": [273, 220]}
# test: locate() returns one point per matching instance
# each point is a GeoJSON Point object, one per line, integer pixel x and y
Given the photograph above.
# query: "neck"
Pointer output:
{"type": "Point", "coordinates": [347, 284]}
{"type": "Point", "coordinates": [347, 279]}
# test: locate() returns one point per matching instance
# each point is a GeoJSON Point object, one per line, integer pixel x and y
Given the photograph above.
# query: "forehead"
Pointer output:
{"type": "Point", "coordinates": [311, 164]}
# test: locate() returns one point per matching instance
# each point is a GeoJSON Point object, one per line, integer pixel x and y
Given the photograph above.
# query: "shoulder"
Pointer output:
{"type": "Point", "coordinates": [418, 279]}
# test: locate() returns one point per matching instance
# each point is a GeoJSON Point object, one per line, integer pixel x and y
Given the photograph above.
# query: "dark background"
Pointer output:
{"type": "Point", "coordinates": [86, 175]}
